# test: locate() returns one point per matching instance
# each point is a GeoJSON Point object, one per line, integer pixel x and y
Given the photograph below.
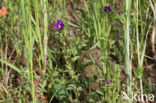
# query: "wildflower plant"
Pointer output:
{"type": "Point", "coordinates": [42, 57]}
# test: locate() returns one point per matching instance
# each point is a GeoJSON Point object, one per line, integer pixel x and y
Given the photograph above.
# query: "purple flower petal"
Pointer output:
{"type": "Point", "coordinates": [107, 80]}
{"type": "Point", "coordinates": [107, 8]}
{"type": "Point", "coordinates": [59, 21]}
{"type": "Point", "coordinates": [62, 25]}
{"type": "Point", "coordinates": [55, 25]}
{"type": "Point", "coordinates": [61, 28]}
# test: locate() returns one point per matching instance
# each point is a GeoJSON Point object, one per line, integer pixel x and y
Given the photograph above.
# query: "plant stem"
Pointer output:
{"type": "Point", "coordinates": [45, 34]}
{"type": "Point", "coordinates": [127, 40]}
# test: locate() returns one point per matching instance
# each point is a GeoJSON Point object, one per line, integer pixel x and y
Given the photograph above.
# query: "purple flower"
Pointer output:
{"type": "Point", "coordinates": [107, 80]}
{"type": "Point", "coordinates": [107, 8]}
{"type": "Point", "coordinates": [58, 25]}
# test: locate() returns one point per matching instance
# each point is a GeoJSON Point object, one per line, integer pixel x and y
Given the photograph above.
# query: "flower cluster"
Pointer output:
{"type": "Point", "coordinates": [3, 11]}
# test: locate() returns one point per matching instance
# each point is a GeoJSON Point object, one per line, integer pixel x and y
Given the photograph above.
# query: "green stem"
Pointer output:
{"type": "Point", "coordinates": [45, 33]}
{"type": "Point", "coordinates": [127, 40]}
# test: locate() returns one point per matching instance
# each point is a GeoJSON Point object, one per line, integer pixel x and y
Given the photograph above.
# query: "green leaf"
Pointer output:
{"type": "Point", "coordinates": [11, 66]}
{"type": "Point", "coordinates": [139, 71]}
{"type": "Point", "coordinates": [61, 92]}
